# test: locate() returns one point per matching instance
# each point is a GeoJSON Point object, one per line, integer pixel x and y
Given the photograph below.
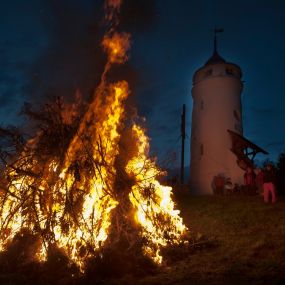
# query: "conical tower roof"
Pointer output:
{"type": "Point", "coordinates": [215, 58]}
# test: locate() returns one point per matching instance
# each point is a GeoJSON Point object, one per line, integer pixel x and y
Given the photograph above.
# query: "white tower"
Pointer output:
{"type": "Point", "coordinates": [216, 93]}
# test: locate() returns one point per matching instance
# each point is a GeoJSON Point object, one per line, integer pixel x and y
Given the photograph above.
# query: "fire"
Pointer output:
{"type": "Point", "coordinates": [91, 227]}
{"type": "Point", "coordinates": [114, 4]}
{"type": "Point", "coordinates": [69, 202]}
{"type": "Point", "coordinates": [112, 7]}
{"type": "Point", "coordinates": [154, 207]}
{"type": "Point", "coordinates": [116, 45]}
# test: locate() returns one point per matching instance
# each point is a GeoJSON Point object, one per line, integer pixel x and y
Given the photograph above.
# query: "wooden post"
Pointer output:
{"type": "Point", "coordinates": [183, 135]}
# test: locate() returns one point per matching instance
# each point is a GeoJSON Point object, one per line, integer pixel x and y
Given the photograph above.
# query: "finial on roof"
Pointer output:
{"type": "Point", "coordinates": [216, 58]}
{"type": "Point", "coordinates": [215, 38]}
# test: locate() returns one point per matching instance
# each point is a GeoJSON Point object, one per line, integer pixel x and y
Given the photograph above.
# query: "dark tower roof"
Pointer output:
{"type": "Point", "coordinates": [215, 58]}
{"type": "Point", "coordinates": [216, 66]}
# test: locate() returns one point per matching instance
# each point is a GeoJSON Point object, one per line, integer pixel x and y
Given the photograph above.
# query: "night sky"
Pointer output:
{"type": "Point", "coordinates": [51, 48]}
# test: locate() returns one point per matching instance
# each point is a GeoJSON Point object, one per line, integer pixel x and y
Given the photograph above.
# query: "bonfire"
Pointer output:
{"type": "Point", "coordinates": [85, 182]}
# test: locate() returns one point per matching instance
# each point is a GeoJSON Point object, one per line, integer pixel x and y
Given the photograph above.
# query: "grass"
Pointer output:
{"type": "Point", "coordinates": [238, 240]}
{"type": "Point", "coordinates": [249, 242]}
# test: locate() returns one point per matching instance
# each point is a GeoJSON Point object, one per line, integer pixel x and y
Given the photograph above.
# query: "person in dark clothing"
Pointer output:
{"type": "Point", "coordinates": [259, 180]}
{"type": "Point", "coordinates": [219, 184]}
{"type": "Point", "coordinates": [249, 181]}
{"type": "Point", "coordinates": [269, 184]}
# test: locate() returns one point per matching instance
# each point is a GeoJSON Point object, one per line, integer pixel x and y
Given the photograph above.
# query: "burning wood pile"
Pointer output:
{"type": "Point", "coordinates": [84, 183]}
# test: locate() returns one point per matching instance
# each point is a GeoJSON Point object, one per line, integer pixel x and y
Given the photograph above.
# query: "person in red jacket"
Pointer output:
{"type": "Point", "coordinates": [269, 184]}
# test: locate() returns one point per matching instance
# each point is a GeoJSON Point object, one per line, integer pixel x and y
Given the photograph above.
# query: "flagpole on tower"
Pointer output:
{"type": "Point", "coordinates": [216, 31]}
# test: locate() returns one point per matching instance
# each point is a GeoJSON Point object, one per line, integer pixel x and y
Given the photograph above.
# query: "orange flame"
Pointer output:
{"type": "Point", "coordinates": [112, 8]}
{"type": "Point", "coordinates": [92, 225]}
{"type": "Point", "coordinates": [74, 211]}
{"type": "Point", "coordinates": [116, 46]}
{"type": "Point", "coordinates": [155, 211]}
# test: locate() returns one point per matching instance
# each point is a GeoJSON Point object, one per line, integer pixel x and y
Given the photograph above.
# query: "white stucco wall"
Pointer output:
{"type": "Point", "coordinates": [217, 107]}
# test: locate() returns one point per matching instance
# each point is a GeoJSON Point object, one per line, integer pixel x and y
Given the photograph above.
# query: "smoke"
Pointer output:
{"type": "Point", "coordinates": [138, 15]}
{"type": "Point", "coordinates": [74, 59]}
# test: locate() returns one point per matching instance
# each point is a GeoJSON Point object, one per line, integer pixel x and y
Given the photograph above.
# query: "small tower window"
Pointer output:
{"type": "Point", "coordinates": [229, 71]}
{"type": "Point", "coordinates": [208, 72]}
{"type": "Point", "coordinates": [202, 105]}
{"type": "Point", "coordinates": [201, 149]}
{"type": "Point", "coordinates": [237, 115]}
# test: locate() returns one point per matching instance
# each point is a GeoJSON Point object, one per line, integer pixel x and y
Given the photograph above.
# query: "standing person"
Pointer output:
{"type": "Point", "coordinates": [249, 181]}
{"type": "Point", "coordinates": [269, 184]}
{"type": "Point", "coordinates": [229, 186]}
{"type": "Point", "coordinates": [259, 180]}
{"type": "Point", "coordinates": [219, 184]}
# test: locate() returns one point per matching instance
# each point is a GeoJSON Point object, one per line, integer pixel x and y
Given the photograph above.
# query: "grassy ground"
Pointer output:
{"type": "Point", "coordinates": [248, 240]}
{"type": "Point", "coordinates": [238, 240]}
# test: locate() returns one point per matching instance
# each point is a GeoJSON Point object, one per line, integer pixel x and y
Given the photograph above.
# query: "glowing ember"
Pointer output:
{"type": "Point", "coordinates": [68, 201]}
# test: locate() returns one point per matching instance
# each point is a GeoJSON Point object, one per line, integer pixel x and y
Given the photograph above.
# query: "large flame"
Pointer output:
{"type": "Point", "coordinates": [154, 206]}
{"type": "Point", "coordinates": [91, 226]}
{"type": "Point", "coordinates": [71, 208]}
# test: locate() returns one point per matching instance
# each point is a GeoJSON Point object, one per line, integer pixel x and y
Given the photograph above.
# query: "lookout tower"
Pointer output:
{"type": "Point", "coordinates": [217, 142]}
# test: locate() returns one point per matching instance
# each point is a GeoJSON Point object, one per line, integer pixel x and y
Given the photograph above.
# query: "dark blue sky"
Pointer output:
{"type": "Point", "coordinates": [51, 47]}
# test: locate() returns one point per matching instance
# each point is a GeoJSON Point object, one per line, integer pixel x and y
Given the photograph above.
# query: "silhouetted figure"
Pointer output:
{"type": "Point", "coordinates": [269, 184]}
{"type": "Point", "coordinates": [249, 181]}
{"type": "Point", "coordinates": [229, 186]}
{"type": "Point", "coordinates": [219, 184]}
{"type": "Point", "coordinates": [259, 180]}
{"type": "Point", "coordinates": [236, 189]}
